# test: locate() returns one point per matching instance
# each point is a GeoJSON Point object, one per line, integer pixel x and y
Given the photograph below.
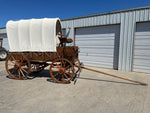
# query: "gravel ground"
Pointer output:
{"type": "Point", "coordinates": [92, 93]}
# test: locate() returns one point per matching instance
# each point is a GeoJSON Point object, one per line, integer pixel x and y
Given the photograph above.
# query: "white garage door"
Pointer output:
{"type": "Point", "coordinates": [99, 46]}
{"type": "Point", "coordinates": [141, 58]}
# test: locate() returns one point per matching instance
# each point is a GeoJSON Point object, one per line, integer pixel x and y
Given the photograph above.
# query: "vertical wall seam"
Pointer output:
{"type": "Point", "coordinates": [121, 41]}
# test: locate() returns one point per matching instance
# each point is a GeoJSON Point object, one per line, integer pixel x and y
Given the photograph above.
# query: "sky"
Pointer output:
{"type": "Point", "coordinates": [27, 9]}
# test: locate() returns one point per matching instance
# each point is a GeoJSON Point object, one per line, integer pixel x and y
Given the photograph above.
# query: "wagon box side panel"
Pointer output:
{"type": "Point", "coordinates": [69, 53]}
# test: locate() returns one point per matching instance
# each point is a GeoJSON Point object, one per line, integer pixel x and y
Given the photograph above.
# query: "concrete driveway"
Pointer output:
{"type": "Point", "coordinates": [93, 93]}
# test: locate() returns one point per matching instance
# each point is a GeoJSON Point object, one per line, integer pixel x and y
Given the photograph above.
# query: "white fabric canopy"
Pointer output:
{"type": "Point", "coordinates": [37, 35]}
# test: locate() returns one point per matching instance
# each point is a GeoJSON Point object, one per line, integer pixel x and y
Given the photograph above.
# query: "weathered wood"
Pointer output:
{"type": "Point", "coordinates": [69, 53]}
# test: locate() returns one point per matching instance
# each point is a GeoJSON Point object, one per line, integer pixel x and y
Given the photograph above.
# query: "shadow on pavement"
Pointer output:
{"type": "Point", "coordinates": [33, 75]}
{"type": "Point", "coordinates": [107, 81]}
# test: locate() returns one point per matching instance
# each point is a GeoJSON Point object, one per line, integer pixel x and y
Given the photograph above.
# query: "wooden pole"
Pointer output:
{"type": "Point", "coordinates": [115, 76]}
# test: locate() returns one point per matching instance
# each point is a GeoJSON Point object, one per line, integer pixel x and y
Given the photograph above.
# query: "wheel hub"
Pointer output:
{"type": "Point", "coordinates": [17, 65]}
{"type": "Point", "coordinates": [62, 70]}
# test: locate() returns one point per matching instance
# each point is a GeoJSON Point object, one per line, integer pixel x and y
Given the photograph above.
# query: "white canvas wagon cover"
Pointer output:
{"type": "Point", "coordinates": [38, 35]}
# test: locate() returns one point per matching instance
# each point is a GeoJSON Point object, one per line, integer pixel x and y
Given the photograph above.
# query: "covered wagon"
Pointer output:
{"type": "Point", "coordinates": [37, 43]}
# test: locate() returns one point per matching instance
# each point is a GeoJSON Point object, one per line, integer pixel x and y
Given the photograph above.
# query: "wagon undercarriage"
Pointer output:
{"type": "Point", "coordinates": [64, 65]}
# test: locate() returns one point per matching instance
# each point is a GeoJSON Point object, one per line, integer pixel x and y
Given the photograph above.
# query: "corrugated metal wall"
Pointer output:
{"type": "Point", "coordinates": [127, 20]}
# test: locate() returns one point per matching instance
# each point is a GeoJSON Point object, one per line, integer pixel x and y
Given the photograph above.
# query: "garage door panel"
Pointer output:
{"type": "Point", "coordinates": [97, 59]}
{"type": "Point", "coordinates": [98, 30]}
{"type": "Point", "coordinates": [140, 37]}
{"type": "Point", "coordinates": [141, 56]}
{"type": "Point", "coordinates": [141, 70]}
{"type": "Point", "coordinates": [98, 64]}
{"type": "Point", "coordinates": [91, 38]}
{"type": "Point", "coordinates": [97, 45]}
{"type": "Point", "coordinates": [99, 55]}
{"type": "Point", "coordinates": [142, 67]}
{"type": "Point", "coordinates": [142, 47]}
{"type": "Point", "coordinates": [143, 53]}
{"type": "Point", "coordinates": [141, 62]}
{"type": "Point", "coordinates": [147, 33]}
{"type": "Point", "coordinates": [109, 35]}
{"type": "Point", "coordinates": [97, 51]}
{"type": "Point", "coordinates": [142, 42]}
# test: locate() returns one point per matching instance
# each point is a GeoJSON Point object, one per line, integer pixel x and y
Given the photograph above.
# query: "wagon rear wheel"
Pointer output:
{"type": "Point", "coordinates": [62, 70]}
{"type": "Point", "coordinates": [17, 66]}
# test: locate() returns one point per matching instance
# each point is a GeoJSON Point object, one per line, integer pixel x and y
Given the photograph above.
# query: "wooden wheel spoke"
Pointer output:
{"type": "Point", "coordinates": [76, 65]}
{"type": "Point", "coordinates": [24, 70]}
{"type": "Point", "coordinates": [67, 67]}
{"type": "Point", "coordinates": [63, 78]}
{"type": "Point", "coordinates": [66, 76]}
{"type": "Point", "coordinates": [19, 73]}
{"type": "Point", "coordinates": [59, 77]}
{"type": "Point", "coordinates": [22, 73]}
{"type": "Point", "coordinates": [57, 65]}
{"type": "Point", "coordinates": [55, 74]}
{"type": "Point", "coordinates": [63, 63]}
{"type": "Point", "coordinates": [11, 64]}
{"type": "Point", "coordinates": [16, 72]}
{"type": "Point", "coordinates": [13, 57]}
{"type": "Point", "coordinates": [11, 61]}
{"type": "Point", "coordinates": [24, 67]}
{"type": "Point", "coordinates": [13, 70]}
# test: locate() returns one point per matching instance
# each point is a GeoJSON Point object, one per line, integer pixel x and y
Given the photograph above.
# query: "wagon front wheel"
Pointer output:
{"type": "Point", "coordinates": [17, 66]}
{"type": "Point", "coordinates": [62, 70]}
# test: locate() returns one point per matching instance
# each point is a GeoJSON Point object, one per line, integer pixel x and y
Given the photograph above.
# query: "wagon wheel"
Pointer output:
{"type": "Point", "coordinates": [17, 66]}
{"type": "Point", "coordinates": [77, 66]}
{"type": "Point", "coordinates": [62, 70]}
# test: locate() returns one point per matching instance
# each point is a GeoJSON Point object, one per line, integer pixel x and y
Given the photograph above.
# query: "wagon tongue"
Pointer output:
{"type": "Point", "coordinates": [141, 83]}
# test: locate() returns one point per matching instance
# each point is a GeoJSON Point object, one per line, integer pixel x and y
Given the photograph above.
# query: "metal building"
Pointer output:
{"type": "Point", "coordinates": [118, 40]}
{"type": "Point", "coordinates": [3, 35]}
